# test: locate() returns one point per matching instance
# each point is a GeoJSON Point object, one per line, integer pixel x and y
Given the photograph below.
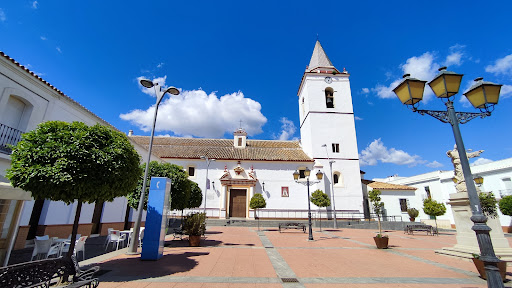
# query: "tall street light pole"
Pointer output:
{"type": "Point", "coordinates": [332, 185]}
{"type": "Point", "coordinates": [319, 176]}
{"type": "Point", "coordinates": [134, 243]}
{"type": "Point", "coordinates": [208, 161]}
{"type": "Point", "coordinates": [482, 95]}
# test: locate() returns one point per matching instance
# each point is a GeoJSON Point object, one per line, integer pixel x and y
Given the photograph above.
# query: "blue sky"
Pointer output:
{"type": "Point", "coordinates": [244, 60]}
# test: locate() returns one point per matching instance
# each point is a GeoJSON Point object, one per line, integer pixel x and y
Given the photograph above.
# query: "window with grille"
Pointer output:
{"type": "Point", "coordinates": [191, 171]}
{"type": "Point", "coordinates": [335, 147]}
{"type": "Point", "coordinates": [403, 205]}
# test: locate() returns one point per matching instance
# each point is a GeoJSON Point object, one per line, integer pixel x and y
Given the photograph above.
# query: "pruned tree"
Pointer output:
{"type": "Point", "coordinates": [196, 195]}
{"type": "Point", "coordinates": [433, 208]}
{"type": "Point", "coordinates": [320, 199]}
{"type": "Point", "coordinates": [506, 205]}
{"type": "Point", "coordinates": [377, 205]}
{"type": "Point", "coordinates": [180, 187]}
{"type": "Point", "coordinates": [70, 162]}
{"type": "Point", "coordinates": [488, 204]}
{"type": "Point", "coordinates": [257, 202]}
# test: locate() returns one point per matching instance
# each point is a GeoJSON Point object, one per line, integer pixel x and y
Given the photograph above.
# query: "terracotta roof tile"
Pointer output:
{"type": "Point", "coordinates": [386, 186]}
{"type": "Point", "coordinates": [194, 148]}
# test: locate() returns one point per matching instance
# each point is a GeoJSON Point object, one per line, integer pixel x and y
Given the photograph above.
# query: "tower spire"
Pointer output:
{"type": "Point", "coordinates": [320, 60]}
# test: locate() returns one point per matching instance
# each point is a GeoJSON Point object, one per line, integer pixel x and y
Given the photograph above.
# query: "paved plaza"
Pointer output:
{"type": "Point", "coordinates": [245, 257]}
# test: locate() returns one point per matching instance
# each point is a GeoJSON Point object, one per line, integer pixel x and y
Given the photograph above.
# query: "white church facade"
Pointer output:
{"type": "Point", "coordinates": [243, 167]}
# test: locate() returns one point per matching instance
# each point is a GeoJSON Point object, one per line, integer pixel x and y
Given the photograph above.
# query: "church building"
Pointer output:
{"type": "Point", "coordinates": [231, 171]}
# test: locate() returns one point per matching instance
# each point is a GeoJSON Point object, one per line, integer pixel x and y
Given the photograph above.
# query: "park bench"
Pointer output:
{"type": "Point", "coordinates": [59, 272]}
{"type": "Point", "coordinates": [292, 225]}
{"type": "Point", "coordinates": [409, 229]}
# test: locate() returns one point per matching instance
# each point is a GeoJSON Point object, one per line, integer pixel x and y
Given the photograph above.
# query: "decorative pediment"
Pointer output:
{"type": "Point", "coordinates": [238, 176]}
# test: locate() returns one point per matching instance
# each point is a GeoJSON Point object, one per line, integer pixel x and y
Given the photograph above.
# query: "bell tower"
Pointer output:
{"type": "Point", "coordinates": [327, 127]}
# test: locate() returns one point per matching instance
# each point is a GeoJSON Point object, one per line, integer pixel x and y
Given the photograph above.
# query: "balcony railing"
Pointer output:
{"type": "Point", "coordinates": [8, 135]}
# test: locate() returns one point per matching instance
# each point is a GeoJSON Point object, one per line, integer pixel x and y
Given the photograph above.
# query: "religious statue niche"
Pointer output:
{"type": "Point", "coordinates": [285, 192]}
{"type": "Point", "coordinates": [459, 175]}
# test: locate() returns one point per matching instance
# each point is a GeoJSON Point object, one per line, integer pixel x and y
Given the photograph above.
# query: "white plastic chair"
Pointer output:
{"type": "Point", "coordinates": [141, 235]}
{"type": "Point", "coordinates": [109, 230]}
{"type": "Point", "coordinates": [45, 237]}
{"type": "Point", "coordinates": [45, 247]}
{"type": "Point", "coordinates": [116, 237]}
{"type": "Point", "coordinates": [80, 246]}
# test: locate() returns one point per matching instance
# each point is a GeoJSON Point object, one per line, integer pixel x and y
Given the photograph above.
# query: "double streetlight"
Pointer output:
{"type": "Point", "coordinates": [332, 185]}
{"type": "Point", "coordinates": [134, 243]}
{"type": "Point", "coordinates": [208, 161]}
{"type": "Point", "coordinates": [307, 173]}
{"type": "Point", "coordinates": [483, 96]}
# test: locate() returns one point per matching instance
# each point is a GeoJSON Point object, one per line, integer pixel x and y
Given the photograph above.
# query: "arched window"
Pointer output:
{"type": "Point", "coordinates": [329, 97]}
{"type": "Point", "coordinates": [337, 179]}
{"type": "Point", "coordinates": [14, 112]}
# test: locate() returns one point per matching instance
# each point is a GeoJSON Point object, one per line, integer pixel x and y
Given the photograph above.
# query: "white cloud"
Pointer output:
{"type": "Point", "coordinates": [376, 152]}
{"type": "Point", "coordinates": [287, 129]}
{"type": "Point", "coordinates": [481, 161]}
{"type": "Point", "coordinates": [501, 66]}
{"type": "Point", "coordinates": [160, 65]}
{"type": "Point", "coordinates": [506, 91]}
{"type": "Point", "coordinates": [195, 113]}
{"type": "Point", "coordinates": [422, 67]}
{"type": "Point", "coordinates": [434, 164]}
{"type": "Point", "coordinates": [43, 38]}
{"type": "Point", "coordinates": [2, 15]}
{"type": "Point", "coordinates": [35, 5]}
{"type": "Point", "coordinates": [365, 90]}
{"type": "Point", "coordinates": [358, 118]}
{"type": "Point", "coordinates": [58, 49]}
{"type": "Point", "coordinates": [455, 56]}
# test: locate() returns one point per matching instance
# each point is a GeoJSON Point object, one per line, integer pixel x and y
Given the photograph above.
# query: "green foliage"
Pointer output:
{"type": "Point", "coordinates": [375, 200]}
{"type": "Point", "coordinates": [433, 208]}
{"type": "Point", "coordinates": [488, 204]}
{"type": "Point", "coordinates": [378, 207]}
{"type": "Point", "coordinates": [63, 161]}
{"type": "Point", "coordinates": [257, 202]}
{"type": "Point", "coordinates": [195, 224]}
{"type": "Point", "coordinates": [506, 205]}
{"type": "Point", "coordinates": [413, 212]}
{"type": "Point", "coordinates": [196, 195]}
{"type": "Point", "coordinates": [180, 187]}
{"type": "Point", "coordinates": [320, 199]}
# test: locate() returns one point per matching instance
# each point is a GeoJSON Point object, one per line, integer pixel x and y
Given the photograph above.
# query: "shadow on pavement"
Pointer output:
{"type": "Point", "coordinates": [127, 269]}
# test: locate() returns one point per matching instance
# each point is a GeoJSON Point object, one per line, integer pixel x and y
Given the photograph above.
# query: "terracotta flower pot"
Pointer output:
{"type": "Point", "coordinates": [194, 241]}
{"type": "Point", "coordinates": [412, 219]}
{"type": "Point", "coordinates": [381, 242]}
{"type": "Point", "coordinates": [479, 264]}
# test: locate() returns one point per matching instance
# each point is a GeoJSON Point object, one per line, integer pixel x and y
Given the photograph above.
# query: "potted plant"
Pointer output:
{"type": "Point", "coordinates": [479, 264]}
{"type": "Point", "coordinates": [380, 239]}
{"type": "Point", "coordinates": [195, 226]}
{"type": "Point", "coordinates": [413, 213]}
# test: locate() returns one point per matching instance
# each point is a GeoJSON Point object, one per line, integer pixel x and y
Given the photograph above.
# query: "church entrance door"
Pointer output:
{"type": "Point", "coordinates": [237, 202]}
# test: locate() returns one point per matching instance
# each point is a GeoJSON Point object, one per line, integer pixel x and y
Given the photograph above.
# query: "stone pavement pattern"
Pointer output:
{"type": "Point", "coordinates": [245, 257]}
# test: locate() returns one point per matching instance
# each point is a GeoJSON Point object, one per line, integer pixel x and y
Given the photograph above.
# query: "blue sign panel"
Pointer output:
{"type": "Point", "coordinates": [156, 218]}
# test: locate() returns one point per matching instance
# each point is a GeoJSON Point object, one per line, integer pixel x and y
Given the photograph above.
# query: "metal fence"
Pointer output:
{"type": "Point", "coordinates": [8, 135]}
{"type": "Point", "coordinates": [271, 214]}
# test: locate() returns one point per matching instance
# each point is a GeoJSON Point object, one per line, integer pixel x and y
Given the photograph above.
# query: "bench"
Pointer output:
{"type": "Point", "coordinates": [409, 229]}
{"type": "Point", "coordinates": [292, 225]}
{"type": "Point", "coordinates": [43, 273]}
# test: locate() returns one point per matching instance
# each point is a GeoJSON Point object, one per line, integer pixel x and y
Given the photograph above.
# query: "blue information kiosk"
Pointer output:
{"type": "Point", "coordinates": [156, 218]}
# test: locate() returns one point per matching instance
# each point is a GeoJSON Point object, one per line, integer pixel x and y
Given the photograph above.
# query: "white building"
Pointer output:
{"type": "Point", "coordinates": [244, 167]}
{"type": "Point", "coordinates": [439, 185]}
{"type": "Point", "coordinates": [25, 101]}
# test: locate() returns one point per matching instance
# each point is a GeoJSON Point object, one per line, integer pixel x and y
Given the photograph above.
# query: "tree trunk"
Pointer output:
{"type": "Point", "coordinates": [75, 229]}
{"type": "Point", "coordinates": [256, 216]}
{"type": "Point", "coordinates": [435, 219]}
{"type": "Point", "coordinates": [320, 220]}
{"type": "Point", "coordinates": [380, 225]}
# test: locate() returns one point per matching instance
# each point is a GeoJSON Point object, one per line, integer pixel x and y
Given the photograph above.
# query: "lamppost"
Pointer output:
{"type": "Point", "coordinates": [208, 161]}
{"type": "Point", "coordinates": [332, 185]}
{"type": "Point", "coordinates": [483, 96]}
{"type": "Point", "coordinates": [134, 243]}
{"type": "Point", "coordinates": [308, 183]}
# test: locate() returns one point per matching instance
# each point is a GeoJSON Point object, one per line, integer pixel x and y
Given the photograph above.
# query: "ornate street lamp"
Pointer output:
{"type": "Point", "coordinates": [134, 243]}
{"type": "Point", "coordinates": [479, 180]}
{"type": "Point", "coordinates": [307, 173]}
{"type": "Point", "coordinates": [208, 161]}
{"type": "Point", "coordinates": [483, 96]}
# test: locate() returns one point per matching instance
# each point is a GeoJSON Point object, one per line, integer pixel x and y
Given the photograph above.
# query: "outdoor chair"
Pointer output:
{"type": "Point", "coordinates": [45, 237]}
{"type": "Point", "coordinates": [116, 237]}
{"type": "Point", "coordinates": [45, 248]}
{"type": "Point", "coordinates": [79, 246]}
{"type": "Point", "coordinates": [109, 230]}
